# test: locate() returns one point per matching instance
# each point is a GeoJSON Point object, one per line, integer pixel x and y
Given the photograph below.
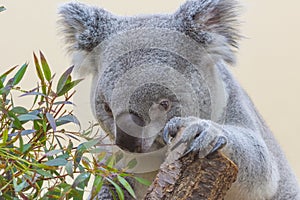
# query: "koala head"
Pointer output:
{"type": "Point", "coordinates": [149, 69]}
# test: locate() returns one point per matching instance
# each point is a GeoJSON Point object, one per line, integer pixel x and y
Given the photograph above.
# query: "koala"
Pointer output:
{"type": "Point", "coordinates": [155, 74]}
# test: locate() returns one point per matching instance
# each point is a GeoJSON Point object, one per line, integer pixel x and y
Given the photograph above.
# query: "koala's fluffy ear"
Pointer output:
{"type": "Point", "coordinates": [213, 23]}
{"type": "Point", "coordinates": [83, 28]}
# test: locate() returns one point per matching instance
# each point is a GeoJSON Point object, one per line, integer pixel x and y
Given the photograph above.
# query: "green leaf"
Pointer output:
{"type": "Point", "coordinates": [90, 143]}
{"type": "Point", "coordinates": [51, 121]}
{"type": "Point", "coordinates": [67, 87]}
{"type": "Point", "coordinates": [66, 191]}
{"type": "Point", "coordinates": [45, 66]}
{"type": "Point", "coordinates": [85, 162]}
{"type": "Point", "coordinates": [44, 173]}
{"type": "Point", "coordinates": [78, 155]}
{"type": "Point", "coordinates": [63, 79]}
{"type": "Point", "coordinates": [67, 119]}
{"type": "Point", "coordinates": [143, 181]}
{"type": "Point", "coordinates": [25, 147]}
{"type": "Point", "coordinates": [33, 93]}
{"type": "Point", "coordinates": [38, 68]}
{"type": "Point", "coordinates": [28, 117]}
{"type": "Point", "coordinates": [3, 76]}
{"type": "Point", "coordinates": [4, 136]}
{"type": "Point", "coordinates": [19, 110]}
{"type": "Point", "coordinates": [1, 84]}
{"type": "Point", "coordinates": [126, 185]}
{"type": "Point", "coordinates": [2, 8]}
{"type": "Point", "coordinates": [97, 185]}
{"type": "Point", "coordinates": [101, 156]}
{"type": "Point", "coordinates": [53, 152]}
{"type": "Point", "coordinates": [97, 150]}
{"type": "Point", "coordinates": [69, 168]}
{"type": "Point", "coordinates": [19, 75]}
{"type": "Point", "coordinates": [20, 187]}
{"type": "Point", "coordinates": [40, 74]}
{"type": "Point", "coordinates": [118, 189]}
{"type": "Point", "coordinates": [132, 163]}
{"type": "Point", "coordinates": [27, 132]}
{"type": "Point", "coordinates": [64, 102]}
{"type": "Point", "coordinates": [69, 147]}
{"type": "Point", "coordinates": [21, 148]}
{"type": "Point", "coordinates": [57, 162]}
{"type": "Point", "coordinates": [9, 85]}
{"type": "Point", "coordinates": [80, 178]}
{"type": "Point", "coordinates": [16, 121]}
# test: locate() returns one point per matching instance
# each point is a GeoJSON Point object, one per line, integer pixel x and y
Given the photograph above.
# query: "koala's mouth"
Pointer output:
{"type": "Point", "coordinates": [133, 135]}
{"type": "Point", "coordinates": [133, 144]}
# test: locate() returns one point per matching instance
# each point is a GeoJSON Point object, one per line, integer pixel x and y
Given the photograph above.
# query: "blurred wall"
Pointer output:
{"type": "Point", "coordinates": [268, 60]}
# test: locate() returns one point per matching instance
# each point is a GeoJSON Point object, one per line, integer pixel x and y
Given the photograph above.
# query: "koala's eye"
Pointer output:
{"type": "Point", "coordinates": [107, 108]}
{"type": "Point", "coordinates": [165, 104]}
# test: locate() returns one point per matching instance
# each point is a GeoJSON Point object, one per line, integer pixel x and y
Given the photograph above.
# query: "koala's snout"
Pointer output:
{"type": "Point", "coordinates": [127, 142]}
{"type": "Point", "coordinates": [133, 134]}
{"type": "Point", "coordinates": [129, 128]}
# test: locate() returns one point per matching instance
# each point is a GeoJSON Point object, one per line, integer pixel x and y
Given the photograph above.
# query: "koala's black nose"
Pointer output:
{"type": "Point", "coordinates": [127, 142]}
{"type": "Point", "coordinates": [128, 132]}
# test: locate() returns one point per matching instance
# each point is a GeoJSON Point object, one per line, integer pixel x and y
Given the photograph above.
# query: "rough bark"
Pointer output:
{"type": "Point", "coordinates": [191, 177]}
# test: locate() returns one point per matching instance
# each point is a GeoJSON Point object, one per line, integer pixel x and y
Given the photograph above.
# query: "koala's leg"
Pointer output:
{"type": "Point", "coordinates": [258, 172]}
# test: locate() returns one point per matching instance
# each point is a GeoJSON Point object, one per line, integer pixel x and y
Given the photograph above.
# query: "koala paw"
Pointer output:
{"type": "Point", "coordinates": [200, 135]}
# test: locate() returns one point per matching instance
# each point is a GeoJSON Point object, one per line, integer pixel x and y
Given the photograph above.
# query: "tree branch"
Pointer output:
{"type": "Point", "coordinates": [191, 177]}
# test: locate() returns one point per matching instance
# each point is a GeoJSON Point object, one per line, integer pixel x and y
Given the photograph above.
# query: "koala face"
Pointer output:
{"type": "Point", "coordinates": [134, 100]}
{"type": "Point", "coordinates": [149, 69]}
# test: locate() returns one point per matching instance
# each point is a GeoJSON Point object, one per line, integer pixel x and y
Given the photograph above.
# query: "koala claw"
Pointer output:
{"type": "Point", "coordinates": [199, 135]}
{"type": "Point", "coordinates": [221, 142]}
{"type": "Point", "coordinates": [173, 126]}
{"type": "Point", "coordinates": [166, 136]}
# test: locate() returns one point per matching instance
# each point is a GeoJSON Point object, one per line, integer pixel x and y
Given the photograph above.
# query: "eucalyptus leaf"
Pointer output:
{"type": "Point", "coordinates": [1, 84]}
{"type": "Point", "coordinates": [53, 152]}
{"type": "Point", "coordinates": [97, 185]}
{"type": "Point", "coordinates": [19, 75]}
{"type": "Point", "coordinates": [90, 143]}
{"type": "Point", "coordinates": [132, 163]}
{"type": "Point", "coordinates": [67, 119]}
{"type": "Point", "coordinates": [57, 162]}
{"type": "Point", "coordinates": [69, 168]}
{"type": "Point", "coordinates": [4, 136]}
{"type": "Point", "coordinates": [143, 181]}
{"type": "Point", "coordinates": [20, 187]}
{"type": "Point", "coordinates": [28, 117]}
{"type": "Point", "coordinates": [25, 147]}
{"type": "Point", "coordinates": [16, 121]}
{"type": "Point", "coordinates": [19, 110]}
{"type": "Point", "coordinates": [80, 178]}
{"type": "Point", "coordinates": [38, 69]}
{"type": "Point", "coordinates": [45, 67]}
{"type": "Point", "coordinates": [118, 188]}
{"type": "Point", "coordinates": [63, 102]}
{"type": "Point", "coordinates": [63, 79]}
{"type": "Point", "coordinates": [97, 150]}
{"type": "Point", "coordinates": [51, 120]}
{"type": "Point", "coordinates": [4, 75]}
{"type": "Point", "coordinates": [44, 173]}
{"type": "Point", "coordinates": [126, 185]}
{"type": "Point", "coordinates": [23, 133]}
{"type": "Point", "coordinates": [67, 87]}
{"type": "Point", "coordinates": [33, 93]}
{"type": "Point", "coordinates": [2, 8]}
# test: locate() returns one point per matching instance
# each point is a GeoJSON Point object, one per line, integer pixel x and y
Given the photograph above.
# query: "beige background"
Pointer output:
{"type": "Point", "coordinates": [268, 60]}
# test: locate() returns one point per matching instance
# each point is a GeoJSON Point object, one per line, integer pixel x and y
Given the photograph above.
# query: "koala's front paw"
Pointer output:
{"type": "Point", "coordinates": [200, 135]}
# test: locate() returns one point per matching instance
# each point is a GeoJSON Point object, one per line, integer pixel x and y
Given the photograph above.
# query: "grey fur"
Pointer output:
{"type": "Point", "coordinates": [139, 62]}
